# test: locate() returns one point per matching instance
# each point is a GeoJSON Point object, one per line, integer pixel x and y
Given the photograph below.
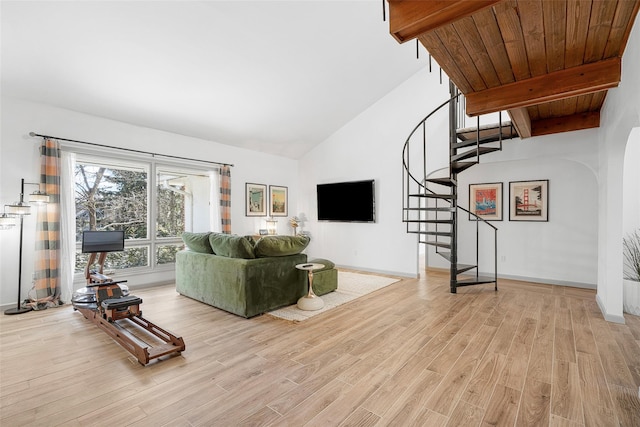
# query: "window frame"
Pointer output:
{"type": "Point", "coordinates": [151, 165]}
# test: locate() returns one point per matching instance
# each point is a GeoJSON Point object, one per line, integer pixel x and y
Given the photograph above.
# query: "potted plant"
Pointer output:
{"type": "Point", "coordinates": [631, 295]}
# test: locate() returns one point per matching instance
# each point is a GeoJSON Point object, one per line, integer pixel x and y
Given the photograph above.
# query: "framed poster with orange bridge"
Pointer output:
{"type": "Point", "coordinates": [485, 201]}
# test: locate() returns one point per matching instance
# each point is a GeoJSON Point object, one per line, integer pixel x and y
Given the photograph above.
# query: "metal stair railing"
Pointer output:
{"type": "Point", "coordinates": [409, 180]}
{"type": "Point", "coordinates": [477, 219]}
{"type": "Point", "coordinates": [417, 196]}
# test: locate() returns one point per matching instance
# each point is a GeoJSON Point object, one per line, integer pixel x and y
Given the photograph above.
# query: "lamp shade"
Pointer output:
{"type": "Point", "coordinates": [38, 197]}
{"type": "Point", "coordinates": [7, 222]}
{"type": "Point", "coordinates": [19, 208]}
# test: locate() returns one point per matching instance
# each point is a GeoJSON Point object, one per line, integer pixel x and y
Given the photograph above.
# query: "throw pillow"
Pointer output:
{"type": "Point", "coordinates": [280, 246]}
{"type": "Point", "coordinates": [197, 242]}
{"type": "Point", "coordinates": [231, 246]}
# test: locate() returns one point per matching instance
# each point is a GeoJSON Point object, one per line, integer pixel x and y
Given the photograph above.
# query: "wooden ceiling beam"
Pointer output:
{"type": "Point", "coordinates": [577, 121]}
{"type": "Point", "coordinates": [521, 121]}
{"type": "Point", "coordinates": [408, 19]}
{"type": "Point", "coordinates": [581, 80]}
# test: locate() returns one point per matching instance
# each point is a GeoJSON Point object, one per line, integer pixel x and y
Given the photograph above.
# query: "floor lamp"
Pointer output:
{"type": "Point", "coordinates": [21, 209]}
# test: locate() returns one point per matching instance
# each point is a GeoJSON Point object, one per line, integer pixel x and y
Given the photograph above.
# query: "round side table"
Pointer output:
{"type": "Point", "coordinates": [311, 301]}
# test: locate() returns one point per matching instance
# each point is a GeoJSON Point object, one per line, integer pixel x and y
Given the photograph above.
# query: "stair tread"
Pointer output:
{"type": "Point", "coordinates": [484, 127]}
{"type": "Point", "coordinates": [460, 166]}
{"type": "Point", "coordinates": [435, 233]}
{"type": "Point", "coordinates": [430, 221]}
{"type": "Point", "coordinates": [475, 280]}
{"type": "Point", "coordinates": [439, 244]}
{"type": "Point", "coordinates": [461, 268]}
{"type": "Point", "coordinates": [473, 141]}
{"type": "Point", "coordinates": [474, 152]}
{"type": "Point", "coordinates": [445, 255]}
{"type": "Point", "coordinates": [443, 181]}
{"type": "Point", "coordinates": [432, 196]}
{"type": "Point", "coordinates": [486, 131]}
{"type": "Point", "coordinates": [430, 209]}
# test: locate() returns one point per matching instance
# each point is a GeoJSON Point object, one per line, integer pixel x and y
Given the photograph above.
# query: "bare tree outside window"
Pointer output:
{"type": "Point", "coordinates": [109, 197]}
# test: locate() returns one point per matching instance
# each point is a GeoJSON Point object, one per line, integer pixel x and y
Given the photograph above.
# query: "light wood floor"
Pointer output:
{"type": "Point", "coordinates": [411, 354]}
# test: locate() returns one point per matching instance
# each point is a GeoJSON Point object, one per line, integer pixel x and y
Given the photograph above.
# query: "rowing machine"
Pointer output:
{"type": "Point", "coordinates": [104, 303]}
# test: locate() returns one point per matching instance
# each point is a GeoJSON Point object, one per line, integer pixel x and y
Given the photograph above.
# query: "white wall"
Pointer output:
{"type": "Point", "coordinates": [575, 247]}
{"type": "Point", "coordinates": [370, 147]}
{"type": "Point", "coordinates": [631, 184]}
{"type": "Point", "coordinates": [19, 159]}
{"type": "Point", "coordinates": [621, 113]}
{"type": "Point", "coordinates": [562, 250]}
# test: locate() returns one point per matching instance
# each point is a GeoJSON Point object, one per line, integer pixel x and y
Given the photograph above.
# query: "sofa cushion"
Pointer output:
{"type": "Point", "coordinates": [280, 246]}
{"type": "Point", "coordinates": [197, 242]}
{"type": "Point", "coordinates": [250, 239]}
{"type": "Point", "coordinates": [231, 246]}
{"type": "Point", "coordinates": [328, 265]}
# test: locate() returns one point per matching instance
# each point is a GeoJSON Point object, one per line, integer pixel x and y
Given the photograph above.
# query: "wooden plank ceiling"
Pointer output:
{"type": "Point", "coordinates": [548, 63]}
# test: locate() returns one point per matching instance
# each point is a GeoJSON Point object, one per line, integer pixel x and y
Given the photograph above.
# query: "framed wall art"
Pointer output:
{"type": "Point", "coordinates": [529, 200]}
{"type": "Point", "coordinates": [255, 199]}
{"type": "Point", "coordinates": [279, 205]}
{"type": "Point", "coordinates": [485, 200]}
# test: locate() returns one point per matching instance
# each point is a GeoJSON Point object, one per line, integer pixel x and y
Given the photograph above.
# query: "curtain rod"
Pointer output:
{"type": "Point", "coordinates": [33, 134]}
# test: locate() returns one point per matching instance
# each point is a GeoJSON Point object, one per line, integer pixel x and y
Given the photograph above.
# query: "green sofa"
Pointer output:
{"type": "Point", "coordinates": [242, 276]}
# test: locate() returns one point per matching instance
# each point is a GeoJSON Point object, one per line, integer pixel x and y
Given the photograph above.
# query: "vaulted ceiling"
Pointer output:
{"type": "Point", "coordinates": [272, 76]}
{"type": "Point", "coordinates": [548, 63]}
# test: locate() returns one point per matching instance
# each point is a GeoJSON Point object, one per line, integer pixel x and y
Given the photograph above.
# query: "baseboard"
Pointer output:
{"type": "Point", "coordinates": [609, 317]}
{"type": "Point", "coordinates": [546, 281]}
{"type": "Point", "coordinates": [529, 279]}
{"type": "Point", "coordinates": [382, 272]}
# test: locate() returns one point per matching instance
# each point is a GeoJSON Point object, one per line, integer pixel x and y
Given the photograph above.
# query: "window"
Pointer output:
{"type": "Point", "coordinates": [153, 203]}
{"type": "Point", "coordinates": [183, 204]}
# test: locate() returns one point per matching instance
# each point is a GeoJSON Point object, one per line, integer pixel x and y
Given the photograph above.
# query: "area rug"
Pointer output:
{"type": "Point", "coordinates": [350, 286]}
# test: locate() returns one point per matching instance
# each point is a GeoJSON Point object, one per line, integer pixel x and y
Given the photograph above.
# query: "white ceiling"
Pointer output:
{"type": "Point", "coordinates": [274, 76]}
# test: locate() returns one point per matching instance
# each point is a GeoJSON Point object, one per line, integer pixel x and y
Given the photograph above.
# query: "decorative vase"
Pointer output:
{"type": "Point", "coordinates": [631, 297]}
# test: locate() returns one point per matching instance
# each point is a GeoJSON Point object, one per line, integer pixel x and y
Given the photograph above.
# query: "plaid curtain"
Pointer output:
{"type": "Point", "coordinates": [225, 198]}
{"type": "Point", "coordinates": [47, 289]}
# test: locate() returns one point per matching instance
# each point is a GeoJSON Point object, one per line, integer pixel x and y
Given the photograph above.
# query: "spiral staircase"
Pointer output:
{"type": "Point", "coordinates": [430, 203]}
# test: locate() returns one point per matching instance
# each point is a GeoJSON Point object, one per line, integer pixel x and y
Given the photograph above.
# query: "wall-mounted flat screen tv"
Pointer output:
{"type": "Point", "coordinates": [102, 241]}
{"type": "Point", "coordinates": [347, 201]}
